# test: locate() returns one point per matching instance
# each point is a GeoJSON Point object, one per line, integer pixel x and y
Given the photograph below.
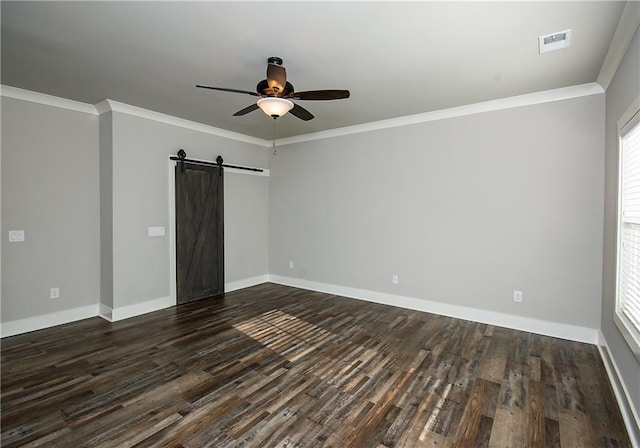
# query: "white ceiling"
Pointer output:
{"type": "Point", "coordinates": [396, 58]}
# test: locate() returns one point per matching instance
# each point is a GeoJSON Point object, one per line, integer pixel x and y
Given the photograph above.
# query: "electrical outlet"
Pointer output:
{"type": "Point", "coordinates": [291, 265]}
{"type": "Point", "coordinates": [55, 293]}
{"type": "Point", "coordinates": [16, 236]}
{"type": "Point", "coordinates": [394, 279]}
{"type": "Point", "coordinates": [517, 296]}
{"type": "Point", "coordinates": [155, 231]}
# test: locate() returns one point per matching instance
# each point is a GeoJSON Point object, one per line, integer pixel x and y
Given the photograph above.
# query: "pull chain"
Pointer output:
{"type": "Point", "coordinates": [273, 140]}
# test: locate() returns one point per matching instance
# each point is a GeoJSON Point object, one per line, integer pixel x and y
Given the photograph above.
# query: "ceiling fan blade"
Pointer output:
{"type": "Point", "coordinates": [228, 90]}
{"type": "Point", "coordinates": [276, 77]}
{"type": "Point", "coordinates": [319, 95]}
{"type": "Point", "coordinates": [301, 113]}
{"type": "Point", "coordinates": [246, 110]}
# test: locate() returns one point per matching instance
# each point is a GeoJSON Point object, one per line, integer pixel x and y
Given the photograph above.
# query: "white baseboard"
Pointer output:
{"type": "Point", "coordinates": [629, 414]}
{"type": "Point", "coordinates": [245, 283]}
{"type": "Point", "coordinates": [554, 329]}
{"type": "Point", "coordinates": [19, 326]}
{"type": "Point", "coordinates": [565, 331]}
{"type": "Point", "coordinates": [105, 312]}
{"type": "Point", "coordinates": [136, 309]}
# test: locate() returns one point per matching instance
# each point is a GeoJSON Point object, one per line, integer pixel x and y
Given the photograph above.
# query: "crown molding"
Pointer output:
{"type": "Point", "coordinates": [627, 26]}
{"type": "Point", "coordinates": [49, 100]}
{"type": "Point", "coordinates": [529, 99]}
{"type": "Point", "coordinates": [115, 106]}
{"type": "Point", "coordinates": [105, 106]}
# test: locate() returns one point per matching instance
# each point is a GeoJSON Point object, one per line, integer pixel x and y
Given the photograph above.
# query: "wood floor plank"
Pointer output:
{"type": "Point", "coordinates": [552, 433]}
{"type": "Point", "coordinates": [274, 366]}
{"type": "Point", "coordinates": [592, 374]}
{"type": "Point", "coordinates": [535, 414]}
{"type": "Point", "coordinates": [575, 429]}
{"type": "Point", "coordinates": [493, 364]}
{"type": "Point", "coordinates": [483, 435]}
{"type": "Point", "coordinates": [467, 431]}
{"type": "Point", "coordinates": [508, 427]}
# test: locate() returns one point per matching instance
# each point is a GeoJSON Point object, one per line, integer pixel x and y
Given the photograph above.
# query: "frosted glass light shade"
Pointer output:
{"type": "Point", "coordinates": [274, 107]}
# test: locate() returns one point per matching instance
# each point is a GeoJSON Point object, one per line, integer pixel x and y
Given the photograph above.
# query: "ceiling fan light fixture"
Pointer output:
{"type": "Point", "coordinates": [275, 107]}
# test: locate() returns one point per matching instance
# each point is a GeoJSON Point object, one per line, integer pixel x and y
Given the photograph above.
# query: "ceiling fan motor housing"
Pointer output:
{"type": "Point", "coordinates": [275, 94]}
{"type": "Point", "coordinates": [263, 89]}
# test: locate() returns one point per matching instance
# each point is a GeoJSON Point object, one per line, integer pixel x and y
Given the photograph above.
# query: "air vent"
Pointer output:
{"type": "Point", "coordinates": [554, 41]}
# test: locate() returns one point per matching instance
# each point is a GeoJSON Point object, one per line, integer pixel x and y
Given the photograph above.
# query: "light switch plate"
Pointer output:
{"type": "Point", "coordinates": [156, 231]}
{"type": "Point", "coordinates": [16, 236]}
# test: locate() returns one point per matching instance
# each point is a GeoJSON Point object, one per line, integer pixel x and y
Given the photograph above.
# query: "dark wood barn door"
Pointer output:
{"type": "Point", "coordinates": [199, 232]}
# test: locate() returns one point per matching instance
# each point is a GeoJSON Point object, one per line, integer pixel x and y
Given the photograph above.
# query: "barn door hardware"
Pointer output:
{"type": "Point", "coordinates": [181, 158]}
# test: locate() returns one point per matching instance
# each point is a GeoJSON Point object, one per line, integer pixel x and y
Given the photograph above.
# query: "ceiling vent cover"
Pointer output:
{"type": "Point", "coordinates": [554, 41]}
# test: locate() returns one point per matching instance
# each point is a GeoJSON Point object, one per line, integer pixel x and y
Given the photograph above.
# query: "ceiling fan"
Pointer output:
{"type": "Point", "coordinates": [275, 94]}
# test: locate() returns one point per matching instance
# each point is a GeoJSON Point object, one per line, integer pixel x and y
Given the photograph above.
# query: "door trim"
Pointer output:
{"type": "Point", "coordinates": [173, 265]}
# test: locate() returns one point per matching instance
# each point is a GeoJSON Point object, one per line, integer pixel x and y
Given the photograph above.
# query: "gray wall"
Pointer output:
{"type": "Point", "coordinates": [66, 174]}
{"type": "Point", "coordinates": [464, 210]}
{"type": "Point", "coordinates": [106, 209]}
{"type": "Point", "coordinates": [624, 88]}
{"type": "Point", "coordinates": [246, 221]}
{"type": "Point", "coordinates": [141, 150]}
{"type": "Point", "coordinates": [49, 190]}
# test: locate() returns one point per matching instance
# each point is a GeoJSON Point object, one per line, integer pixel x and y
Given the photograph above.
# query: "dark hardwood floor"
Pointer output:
{"type": "Point", "coordinates": [277, 366]}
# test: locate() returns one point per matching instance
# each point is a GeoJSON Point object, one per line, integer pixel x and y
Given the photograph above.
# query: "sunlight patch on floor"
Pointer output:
{"type": "Point", "coordinates": [285, 334]}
